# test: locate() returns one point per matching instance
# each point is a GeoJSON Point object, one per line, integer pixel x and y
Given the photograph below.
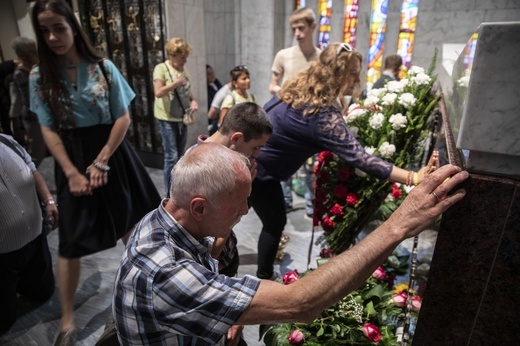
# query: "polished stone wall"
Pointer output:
{"type": "Point", "coordinates": [471, 296]}
{"type": "Point", "coordinates": [472, 292]}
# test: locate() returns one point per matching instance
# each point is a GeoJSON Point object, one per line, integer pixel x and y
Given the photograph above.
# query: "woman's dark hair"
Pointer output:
{"type": "Point", "coordinates": [237, 71]}
{"type": "Point", "coordinates": [50, 77]}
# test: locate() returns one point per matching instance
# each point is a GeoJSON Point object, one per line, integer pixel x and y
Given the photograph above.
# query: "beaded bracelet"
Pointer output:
{"type": "Point", "coordinates": [101, 166]}
{"type": "Point", "coordinates": [49, 201]}
{"type": "Point", "coordinates": [408, 178]}
{"type": "Point", "coordinates": [415, 178]}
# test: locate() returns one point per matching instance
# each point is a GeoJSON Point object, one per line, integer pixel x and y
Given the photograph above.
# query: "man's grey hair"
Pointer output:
{"type": "Point", "coordinates": [22, 46]}
{"type": "Point", "coordinates": [209, 170]}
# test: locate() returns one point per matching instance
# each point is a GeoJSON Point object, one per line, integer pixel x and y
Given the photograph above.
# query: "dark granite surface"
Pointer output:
{"type": "Point", "coordinates": [472, 292]}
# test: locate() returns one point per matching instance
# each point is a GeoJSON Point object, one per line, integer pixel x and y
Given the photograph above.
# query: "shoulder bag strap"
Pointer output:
{"type": "Point", "coordinates": [175, 90]}
{"type": "Point", "coordinates": [11, 146]}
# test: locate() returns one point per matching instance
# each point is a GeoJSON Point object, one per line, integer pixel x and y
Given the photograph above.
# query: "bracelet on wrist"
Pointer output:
{"type": "Point", "coordinates": [49, 201]}
{"type": "Point", "coordinates": [415, 178]}
{"type": "Point", "coordinates": [102, 167]}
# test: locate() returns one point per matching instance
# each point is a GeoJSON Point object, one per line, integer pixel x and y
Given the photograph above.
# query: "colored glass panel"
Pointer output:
{"type": "Point", "coordinates": [469, 52]}
{"type": "Point", "coordinates": [325, 11]}
{"type": "Point", "coordinates": [377, 37]}
{"type": "Point", "coordinates": [409, 10]}
{"type": "Point", "coordinates": [350, 21]}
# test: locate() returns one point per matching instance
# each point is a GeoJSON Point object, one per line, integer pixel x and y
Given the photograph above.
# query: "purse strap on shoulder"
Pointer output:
{"type": "Point", "coordinates": [175, 90]}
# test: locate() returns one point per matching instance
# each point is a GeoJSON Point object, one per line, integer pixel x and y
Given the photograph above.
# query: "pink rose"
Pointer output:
{"type": "Point", "coordinates": [416, 303]}
{"type": "Point", "coordinates": [380, 274]}
{"type": "Point", "coordinates": [337, 210]}
{"type": "Point", "coordinates": [290, 277]}
{"type": "Point", "coordinates": [326, 253]}
{"type": "Point", "coordinates": [400, 299]}
{"type": "Point", "coordinates": [296, 337]}
{"type": "Point", "coordinates": [371, 332]}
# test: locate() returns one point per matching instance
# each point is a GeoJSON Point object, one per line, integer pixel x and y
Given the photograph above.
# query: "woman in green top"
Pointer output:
{"type": "Point", "coordinates": [171, 81]}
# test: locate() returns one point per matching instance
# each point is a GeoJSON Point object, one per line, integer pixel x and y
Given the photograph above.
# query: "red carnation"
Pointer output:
{"type": "Point", "coordinates": [340, 191]}
{"type": "Point", "coordinates": [325, 157]}
{"type": "Point", "coordinates": [352, 199]}
{"type": "Point", "coordinates": [327, 224]}
{"type": "Point", "coordinates": [322, 178]}
{"type": "Point", "coordinates": [317, 169]}
{"type": "Point", "coordinates": [315, 219]}
{"type": "Point", "coordinates": [343, 174]}
{"type": "Point", "coordinates": [397, 193]}
{"type": "Point", "coordinates": [320, 196]}
{"type": "Point", "coordinates": [337, 210]}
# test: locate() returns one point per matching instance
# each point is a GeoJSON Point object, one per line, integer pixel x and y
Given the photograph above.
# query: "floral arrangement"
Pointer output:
{"type": "Point", "coordinates": [368, 315]}
{"type": "Point", "coordinates": [393, 123]}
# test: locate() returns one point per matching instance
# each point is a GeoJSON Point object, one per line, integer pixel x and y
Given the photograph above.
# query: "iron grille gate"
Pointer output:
{"type": "Point", "coordinates": [129, 32]}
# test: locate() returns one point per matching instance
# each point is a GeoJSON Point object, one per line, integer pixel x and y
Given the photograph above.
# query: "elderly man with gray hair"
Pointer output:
{"type": "Point", "coordinates": [168, 290]}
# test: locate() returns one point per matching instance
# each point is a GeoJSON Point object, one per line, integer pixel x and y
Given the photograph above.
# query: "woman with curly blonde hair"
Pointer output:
{"type": "Point", "coordinates": [171, 85]}
{"type": "Point", "coordinates": [307, 118]}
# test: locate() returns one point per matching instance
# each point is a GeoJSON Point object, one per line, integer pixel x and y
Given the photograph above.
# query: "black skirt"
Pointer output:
{"type": "Point", "coordinates": [89, 224]}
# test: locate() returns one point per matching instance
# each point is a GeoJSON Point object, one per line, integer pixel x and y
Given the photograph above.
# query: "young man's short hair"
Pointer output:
{"type": "Point", "coordinates": [393, 62]}
{"type": "Point", "coordinates": [249, 119]}
{"type": "Point", "coordinates": [303, 14]}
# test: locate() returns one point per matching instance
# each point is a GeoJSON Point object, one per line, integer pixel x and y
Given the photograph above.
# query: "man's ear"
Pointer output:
{"type": "Point", "coordinates": [198, 207]}
{"type": "Point", "coordinates": [313, 26]}
{"type": "Point", "coordinates": [235, 137]}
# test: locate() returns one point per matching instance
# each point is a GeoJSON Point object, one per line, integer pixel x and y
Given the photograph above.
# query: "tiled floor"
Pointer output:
{"type": "Point", "coordinates": [37, 326]}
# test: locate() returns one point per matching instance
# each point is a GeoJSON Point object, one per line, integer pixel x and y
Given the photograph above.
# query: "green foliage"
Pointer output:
{"type": "Point", "coordinates": [342, 323]}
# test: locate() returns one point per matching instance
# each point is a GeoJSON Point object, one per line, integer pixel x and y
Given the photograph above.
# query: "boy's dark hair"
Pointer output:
{"type": "Point", "coordinates": [248, 118]}
{"type": "Point", "coordinates": [393, 62]}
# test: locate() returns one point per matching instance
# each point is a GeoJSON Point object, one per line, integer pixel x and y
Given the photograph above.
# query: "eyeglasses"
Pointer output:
{"type": "Point", "coordinates": [240, 68]}
{"type": "Point", "coordinates": [344, 47]}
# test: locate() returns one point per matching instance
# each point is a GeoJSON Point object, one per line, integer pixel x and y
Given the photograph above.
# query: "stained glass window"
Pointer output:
{"type": "Point", "coordinates": [350, 22]}
{"type": "Point", "coordinates": [325, 11]}
{"type": "Point", "coordinates": [377, 37]}
{"type": "Point", "coordinates": [469, 52]}
{"type": "Point", "coordinates": [409, 10]}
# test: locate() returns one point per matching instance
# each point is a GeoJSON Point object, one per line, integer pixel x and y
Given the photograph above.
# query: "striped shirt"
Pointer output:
{"type": "Point", "coordinates": [20, 213]}
{"type": "Point", "coordinates": [167, 289]}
